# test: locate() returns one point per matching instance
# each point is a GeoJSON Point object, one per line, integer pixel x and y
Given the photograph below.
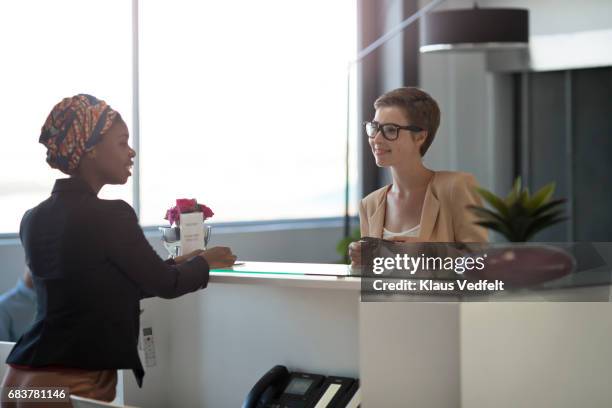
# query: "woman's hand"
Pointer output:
{"type": "Point", "coordinates": [354, 251]}
{"type": "Point", "coordinates": [182, 258]}
{"type": "Point", "coordinates": [218, 257]}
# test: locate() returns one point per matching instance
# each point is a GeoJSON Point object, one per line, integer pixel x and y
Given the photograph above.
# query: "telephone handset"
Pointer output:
{"type": "Point", "coordinates": [280, 389]}
{"type": "Point", "coordinates": [267, 387]}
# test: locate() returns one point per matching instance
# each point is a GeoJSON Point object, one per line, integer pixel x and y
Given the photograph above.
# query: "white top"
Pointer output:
{"type": "Point", "coordinates": [412, 232]}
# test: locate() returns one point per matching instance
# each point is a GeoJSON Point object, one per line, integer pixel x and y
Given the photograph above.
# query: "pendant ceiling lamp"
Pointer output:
{"type": "Point", "coordinates": [475, 29]}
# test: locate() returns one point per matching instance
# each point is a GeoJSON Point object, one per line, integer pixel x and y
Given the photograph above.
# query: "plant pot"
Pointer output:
{"type": "Point", "coordinates": [521, 265]}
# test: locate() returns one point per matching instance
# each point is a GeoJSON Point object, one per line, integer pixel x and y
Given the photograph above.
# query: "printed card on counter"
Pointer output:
{"type": "Point", "coordinates": [192, 232]}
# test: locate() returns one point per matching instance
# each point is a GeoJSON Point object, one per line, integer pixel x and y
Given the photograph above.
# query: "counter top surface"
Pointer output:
{"type": "Point", "coordinates": [312, 275]}
{"type": "Point", "coordinates": [339, 276]}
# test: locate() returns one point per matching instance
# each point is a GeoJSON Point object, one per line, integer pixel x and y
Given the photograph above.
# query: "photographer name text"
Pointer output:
{"type": "Point", "coordinates": [430, 285]}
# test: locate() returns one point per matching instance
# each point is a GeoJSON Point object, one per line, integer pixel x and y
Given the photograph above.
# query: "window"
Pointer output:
{"type": "Point", "coordinates": [51, 50]}
{"type": "Point", "coordinates": [243, 106]}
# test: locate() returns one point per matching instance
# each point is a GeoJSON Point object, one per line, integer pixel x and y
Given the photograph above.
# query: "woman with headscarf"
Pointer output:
{"type": "Point", "coordinates": [90, 261]}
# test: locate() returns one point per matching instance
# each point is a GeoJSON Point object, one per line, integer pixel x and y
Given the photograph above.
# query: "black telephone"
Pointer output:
{"type": "Point", "coordinates": [280, 389]}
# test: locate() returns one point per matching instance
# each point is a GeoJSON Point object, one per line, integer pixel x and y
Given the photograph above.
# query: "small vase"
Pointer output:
{"type": "Point", "coordinates": [171, 238]}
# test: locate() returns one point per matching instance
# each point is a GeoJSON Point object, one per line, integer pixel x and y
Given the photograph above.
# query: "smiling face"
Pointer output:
{"type": "Point", "coordinates": [404, 149]}
{"type": "Point", "coordinates": [112, 158]}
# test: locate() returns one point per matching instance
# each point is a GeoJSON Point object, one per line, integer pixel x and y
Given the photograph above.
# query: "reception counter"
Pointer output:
{"type": "Point", "coordinates": [213, 345]}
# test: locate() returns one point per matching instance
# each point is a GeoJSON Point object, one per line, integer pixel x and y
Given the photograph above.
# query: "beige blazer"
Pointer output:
{"type": "Point", "coordinates": [444, 217]}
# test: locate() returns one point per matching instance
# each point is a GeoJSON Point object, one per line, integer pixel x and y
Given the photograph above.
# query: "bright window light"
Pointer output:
{"type": "Point", "coordinates": [50, 50]}
{"type": "Point", "coordinates": [243, 106]}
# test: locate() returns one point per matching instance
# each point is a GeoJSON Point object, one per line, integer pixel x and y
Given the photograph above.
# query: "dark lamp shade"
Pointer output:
{"type": "Point", "coordinates": [475, 29]}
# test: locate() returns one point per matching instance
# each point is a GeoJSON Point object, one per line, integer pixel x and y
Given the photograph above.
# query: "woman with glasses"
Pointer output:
{"type": "Point", "coordinates": [421, 205]}
{"type": "Point", "coordinates": [91, 263]}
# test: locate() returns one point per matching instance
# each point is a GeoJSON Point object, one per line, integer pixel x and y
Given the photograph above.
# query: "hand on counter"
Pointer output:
{"type": "Point", "coordinates": [182, 258]}
{"type": "Point", "coordinates": [354, 252]}
{"type": "Point", "coordinates": [217, 257]}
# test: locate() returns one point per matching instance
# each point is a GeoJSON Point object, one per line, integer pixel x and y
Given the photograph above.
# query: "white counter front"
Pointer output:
{"type": "Point", "coordinates": [213, 345]}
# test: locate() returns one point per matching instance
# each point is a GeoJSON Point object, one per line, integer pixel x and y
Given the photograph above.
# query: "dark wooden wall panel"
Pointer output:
{"type": "Point", "coordinates": [592, 143]}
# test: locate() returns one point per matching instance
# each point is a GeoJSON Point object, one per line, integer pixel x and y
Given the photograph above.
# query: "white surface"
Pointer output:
{"type": "Point", "coordinates": [289, 268]}
{"type": "Point", "coordinates": [409, 355]}
{"type": "Point", "coordinates": [545, 355]}
{"type": "Point", "coordinates": [411, 232]}
{"type": "Point", "coordinates": [578, 50]}
{"type": "Point", "coordinates": [315, 282]}
{"type": "Point", "coordinates": [192, 233]}
{"type": "Point", "coordinates": [5, 349]}
{"type": "Point", "coordinates": [327, 396]}
{"type": "Point", "coordinates": [289, 274]}
{"type": "Point", "coordinates": [233, 333]}
{"type": "Point", "coordinates": [120, 388]}
{"type": "Point", "coordinates": [355, 401]}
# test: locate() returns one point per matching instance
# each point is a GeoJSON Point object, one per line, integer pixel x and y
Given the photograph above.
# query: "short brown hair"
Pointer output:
{"type": "Point", "coordinates": [420, 108]}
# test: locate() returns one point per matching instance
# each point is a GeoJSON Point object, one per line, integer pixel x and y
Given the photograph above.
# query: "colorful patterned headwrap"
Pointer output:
{"type": "Point", "coordinates": [73, 127]}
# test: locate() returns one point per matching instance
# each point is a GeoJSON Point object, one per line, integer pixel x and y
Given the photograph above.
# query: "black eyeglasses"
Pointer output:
{"type": "Point", "coordinates": [390, 131]}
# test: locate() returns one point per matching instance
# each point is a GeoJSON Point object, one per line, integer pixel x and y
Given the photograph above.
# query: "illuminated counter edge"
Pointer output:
{"type": "Point", "coordinates": [306, 275]}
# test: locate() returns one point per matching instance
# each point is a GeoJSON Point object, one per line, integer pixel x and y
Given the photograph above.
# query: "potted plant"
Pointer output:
{"type": "Point", "coordinates": [519, 217]}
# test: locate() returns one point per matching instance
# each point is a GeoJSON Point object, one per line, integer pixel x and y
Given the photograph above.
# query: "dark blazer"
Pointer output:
{"type": "Point", "coordinates": [91, 264]}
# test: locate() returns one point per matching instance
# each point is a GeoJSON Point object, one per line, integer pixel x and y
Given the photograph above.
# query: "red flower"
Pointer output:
{"type": "Point", "coordinates": [207, 211]}
{"type": "Point", "coordinates": [186, 205]}
{"type": "Point", "coordinates": [172, 215]}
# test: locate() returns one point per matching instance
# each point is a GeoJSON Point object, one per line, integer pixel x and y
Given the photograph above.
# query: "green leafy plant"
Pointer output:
{"type": "Point", "coordinates": [519, 216]}
{"type": "Point", "coordinates": [343, 244]}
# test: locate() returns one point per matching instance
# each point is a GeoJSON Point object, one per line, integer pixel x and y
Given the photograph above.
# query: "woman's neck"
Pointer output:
{"type": "Point", "coordinates": [410, 178]}
{"type": "Point", "coordinates": [93, 182]}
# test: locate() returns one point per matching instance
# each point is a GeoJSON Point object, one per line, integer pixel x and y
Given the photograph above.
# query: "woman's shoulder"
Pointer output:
{"type": "Point", "coordinates": [115, 208]}
{"type": "Point", "coordinates": [445, 183]}
{"type": "Point", "coordinates": [115, 216]}
{"type": "Point", "coordinates": [113, 213]}
{"type": "Point", "coordinates": [372, 200]}
{"type": "Point", "coordinates": [451, 177]}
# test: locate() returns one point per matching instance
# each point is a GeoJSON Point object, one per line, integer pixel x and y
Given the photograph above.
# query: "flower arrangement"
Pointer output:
{"type": "Point", "coordinates": [184, 206]}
